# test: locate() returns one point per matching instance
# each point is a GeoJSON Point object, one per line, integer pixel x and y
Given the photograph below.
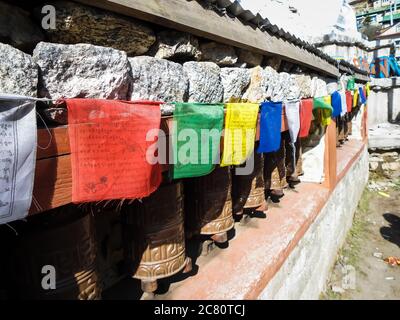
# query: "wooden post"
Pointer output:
{"type": "Point", "coordinates": [330, 162]}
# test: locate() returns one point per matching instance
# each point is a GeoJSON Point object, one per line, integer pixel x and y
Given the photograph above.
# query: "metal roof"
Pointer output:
{"type": "Point", "coordinates": [234, 8]}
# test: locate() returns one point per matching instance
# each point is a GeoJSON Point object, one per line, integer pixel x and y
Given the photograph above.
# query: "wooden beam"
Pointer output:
{"type": "Point", "coordinates": [192, 17]}
{"type": "Point", "coordinates": [330, 161]}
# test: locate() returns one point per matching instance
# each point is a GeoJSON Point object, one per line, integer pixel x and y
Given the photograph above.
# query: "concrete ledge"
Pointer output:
{"type": "Point", "coordinates": [289, 254]}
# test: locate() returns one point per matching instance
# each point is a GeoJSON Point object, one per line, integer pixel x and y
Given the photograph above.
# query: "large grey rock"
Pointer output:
{"type": "Point", "coordinates": [18, 72]}
{"type": "Point", "coordinates": [158, 79]}
{"type": "Point", "coordinates": [82, 70]}
{"type": "Point", "coordinates": [251, 59]}
{"type": "Point", "coordinates": [285, 87]}
{"type": "Point", "coordinates": [319, 88]}
{"type": "Point", "coordinates": [235, 81]}
{"type": "Point", "coordinates": [176, 46]}
{"type": "Point", "coordinates": [257, 90]}
{"type": "Point", "coordinates": [304, 83]}
{"type": "Point", "coordinates": [204, 82]}
{"type": "Point", "coordinates": [76, 23]}
{"type": "Point", "coordinates": [219, 53]}
{"type": "Point", "coordinates": [273, 80]}
{"type": "Point", "coordinates": [17, 28]}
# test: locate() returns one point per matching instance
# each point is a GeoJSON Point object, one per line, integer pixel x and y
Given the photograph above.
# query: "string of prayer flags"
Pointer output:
{"type": "Point", "coordinates": [349, 101]}
{"type": "Point", "coordinates": [197, 137]}
{"type": "Point", "coordinates": [336, 104]}
{"type": "Point", "coordinates": [323, 110]}
{"type": "Point", "coordinates": [306, 109]}
{"type": "Point", "coordinates": [110, 155]}
{"type": "Point", "coordinates": [18, 144]}
{"type": "Point", "coordinates": [363, 99]}
{"type": "Point", "coordinates": [240, 132]}
{"type": "Point", "coordinates": [270, 127]}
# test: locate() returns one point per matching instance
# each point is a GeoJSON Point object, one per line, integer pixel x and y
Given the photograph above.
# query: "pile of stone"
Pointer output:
{"type": "Point", "coordinates": [387, 163]}
{"type": "Point", "coordinates": [98, 54]}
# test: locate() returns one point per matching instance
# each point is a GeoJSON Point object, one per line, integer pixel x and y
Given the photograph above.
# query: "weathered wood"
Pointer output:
{"type": "Point", "coordinates": [192, 17]}
{"type": "Point", "coordinates": [330, 158]}
{"type": "Point", "coordinates": [53, 143]}
{"type": "Point", "coordinates": [53, 184]}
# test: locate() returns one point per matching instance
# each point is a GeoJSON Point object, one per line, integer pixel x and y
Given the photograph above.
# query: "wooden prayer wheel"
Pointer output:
{"type": "Point", "coordinates": [248, 191]}
{"type": "Point", "coordinates": [64, 239]}
{"type": "Point", "coordinates": [156, 231]}
{"type": "Point", "coordinates": [208, 204]}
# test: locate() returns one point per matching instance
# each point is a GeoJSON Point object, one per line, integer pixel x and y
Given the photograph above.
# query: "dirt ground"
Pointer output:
{"type": "Point", "coordinates": [360, 271]}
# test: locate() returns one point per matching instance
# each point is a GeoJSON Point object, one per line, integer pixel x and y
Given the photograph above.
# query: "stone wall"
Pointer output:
{"type": "Point", "coordinates": [94, 53]}
{"type": "Point", "coordinates": [384, 101]}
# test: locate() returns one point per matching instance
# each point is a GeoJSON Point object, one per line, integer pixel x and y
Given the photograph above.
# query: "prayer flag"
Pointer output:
{"type": "Point", "coordinates": [270, 127]}
{"type": "Point", "coordinates": [336, 104]}
{"type": "Point", "coordinates": [240, 132]}
{"type": "Point", "coordinates": [197, 137]}
{"type": "Point", "coordinates": [306, 107]}
{"type": "Point", "coordinates": [110, 155]}
{"type": "Point", "coordinates": [323, 110]}
{"type": "Point", "coordinates": [18, 143]}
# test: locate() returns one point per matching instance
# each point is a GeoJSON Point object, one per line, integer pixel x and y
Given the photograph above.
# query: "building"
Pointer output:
{"type": "Point", "coordinates": [383, 12]}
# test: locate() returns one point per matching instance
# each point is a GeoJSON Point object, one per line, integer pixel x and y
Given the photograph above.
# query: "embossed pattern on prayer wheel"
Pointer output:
{"type": "Point", "coordinates": [64, 239]}
{"type": "Point", "coordinates": [208, 203]}
{"type": "Point", "coordinates": [158, 244]}
{"type": "Point", "coordinates": [248, 191]}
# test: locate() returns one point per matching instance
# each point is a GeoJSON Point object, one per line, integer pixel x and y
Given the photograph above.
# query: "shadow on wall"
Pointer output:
{"type": "Point", "coordinates": [392, 116]}
{"type": "Point", "coordinates": [391, 233]}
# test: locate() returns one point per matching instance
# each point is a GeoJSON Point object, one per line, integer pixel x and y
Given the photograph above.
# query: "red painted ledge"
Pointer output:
{"type": "Point", "coordinates": [259, 249]}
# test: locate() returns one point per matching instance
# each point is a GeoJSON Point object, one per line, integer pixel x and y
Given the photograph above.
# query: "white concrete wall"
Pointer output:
{"type": "Point", "coordinates": [384, 101]}
{"type": "Point", "coordinates": [305, 271]}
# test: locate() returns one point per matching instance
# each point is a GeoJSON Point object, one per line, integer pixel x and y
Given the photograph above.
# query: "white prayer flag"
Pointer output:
{"type": "Point", "coordinates": [18, 141]}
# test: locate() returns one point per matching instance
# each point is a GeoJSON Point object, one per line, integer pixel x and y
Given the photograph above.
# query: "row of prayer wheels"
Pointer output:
{"type": "Point", "coordinates": [155, 230]}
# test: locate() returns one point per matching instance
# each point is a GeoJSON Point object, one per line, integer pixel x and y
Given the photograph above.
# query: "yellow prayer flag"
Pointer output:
{"type": "Point", "coordinates": [355, 98]}
{"type": "Point", "coordinates": [240, 132]}
{"type": "Point", "coordinates": [325, 113]}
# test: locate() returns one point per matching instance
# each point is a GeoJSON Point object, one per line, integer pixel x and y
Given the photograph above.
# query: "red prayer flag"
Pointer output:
{"type": "Point", "coordinates": [349, 101]}
{"type": "Point", "coordinates": [306, 109]}
{"type": "Point", "coordinates": [109, 147]}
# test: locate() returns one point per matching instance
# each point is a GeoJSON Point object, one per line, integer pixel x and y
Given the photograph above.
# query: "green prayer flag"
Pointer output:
{"type": "Point", "coordinates": [351, 84]}
{"type": "Point", "coordinates": [322, 110]}
{"type": "Point", "coordinates": [196, 138]}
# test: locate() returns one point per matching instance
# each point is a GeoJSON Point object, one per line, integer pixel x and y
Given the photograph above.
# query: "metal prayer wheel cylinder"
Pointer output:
{"type": "Point", "coordinates": [275, 167]}
{"type": "Point", "coordinates": [156, 232]}
{"type": "Point", "coordinates": [208, 203]}
{"type": "Point", "coordinates": [248, 191]}
{"type": "Point", "coordinates": [63, 239]}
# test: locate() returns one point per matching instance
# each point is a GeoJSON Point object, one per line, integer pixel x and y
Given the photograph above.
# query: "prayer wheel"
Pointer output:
{"type": "Point", "coordinates": [275, 169]}
{"type": "Point", "coordinates": [248, 191]}
{"type": "Point", "coordinates": [155, 229]}
{"type": "Point", "coordinates": [208, 204]}
{"type": "Point", "coordinates": [62, 240]}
